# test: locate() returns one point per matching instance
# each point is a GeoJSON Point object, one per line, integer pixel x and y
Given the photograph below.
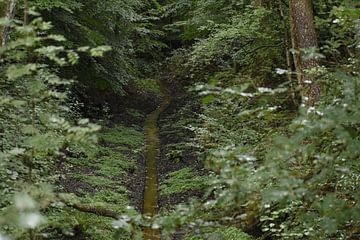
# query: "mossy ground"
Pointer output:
{"type": "Point", "coordinates": [181, 181]}
{"type": "Point", "coordinates": [224, 233]}
{"type": "Point", "coordinates": [148, 85]}
{"type": "Point", "coordinates": [182, 174]}
{"type": "Point", "coordinates": [96, 175]}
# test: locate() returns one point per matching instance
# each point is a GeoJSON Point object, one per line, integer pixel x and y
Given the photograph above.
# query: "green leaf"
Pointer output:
{"type": "Point", "coordinates": [99, 51]}
{"type": "Point", "coordinates": [17, 71]}
{"type": "Point", "coordinates": [208, 99]}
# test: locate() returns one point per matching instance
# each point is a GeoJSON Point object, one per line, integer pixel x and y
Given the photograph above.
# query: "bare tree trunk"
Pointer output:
{"type": "Point", "coordinates": [8, 13]}
{"type": "Point", "coordinates": [26, 12]}
{"type": "Point", "coordinates": [287, 44]}
{"type": "Point", "coordinates": [304, 37]}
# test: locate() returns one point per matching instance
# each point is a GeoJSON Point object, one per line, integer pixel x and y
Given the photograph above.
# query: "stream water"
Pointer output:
{"type": "Point", "coordinates": [152, 155]}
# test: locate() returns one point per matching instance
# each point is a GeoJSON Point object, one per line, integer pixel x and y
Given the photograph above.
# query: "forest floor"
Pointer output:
{"type": "Point", "coordinates": [111, 174]}
{"type": "Point", "coordinates": [107, 176]}
{"type": "Point", "coordinates": [180, 169]}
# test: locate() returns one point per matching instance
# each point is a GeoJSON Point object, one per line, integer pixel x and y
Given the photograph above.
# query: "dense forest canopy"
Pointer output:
{"type": "Point", "coordinates": [179, 119]}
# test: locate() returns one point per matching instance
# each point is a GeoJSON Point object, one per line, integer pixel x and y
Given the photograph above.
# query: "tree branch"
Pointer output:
{"type": "Point", "coordinates": [96, 210]}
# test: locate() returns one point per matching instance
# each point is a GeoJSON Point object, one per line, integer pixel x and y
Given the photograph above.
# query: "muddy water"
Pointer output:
{"type": "Point", "coordinates": [152, 155]}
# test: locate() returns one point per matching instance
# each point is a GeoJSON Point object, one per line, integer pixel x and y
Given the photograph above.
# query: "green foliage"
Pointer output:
{"type": "Point", "coordinates": [197, 19]}
{"type": "Point", "coordinates": [122, 135]}
{"type": "Point", "coordinates": [229, 233]}
{"type": "Point", "coordinates": [67, 218]}
{"type": "Point", "coordinates": [295, 174]}
{"type": "Point", "coordinates": [33, 124]}
{"type": "Point", "coordinates": [126, 26]}
{"type": "Point", "coordinates": [135, 114]}
{"type": "Point", "coordinates": [335, 22]}
{"type": "Point", "coordinates": [246, 40]}
{"type": "Point", "coordinates": [271, 168]}
{"type": "Point", "coordinates": [298, 183]}
{"type": "Point", "coordinates": [68, 5]}
{"type": "Point", "coordinates": [181, 181]}
{"type": "Point", "coordinates": [325, 139]}
{"type": "Point", "coordinates": [99, 172]}
{"type": "Point", "coordinates": [148, 85]}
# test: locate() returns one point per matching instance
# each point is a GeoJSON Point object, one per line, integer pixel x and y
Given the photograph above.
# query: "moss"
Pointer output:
{"type": "Point", "coordinates": [94, 180]}
{"type": "Point", "coordinates": [121, 189]}
{"type": "Point", "coordinates": [93, 227]}
{"type": "Point", "coordinates": [226, 233]}
{"type": "Point", "coordinates": [115, 171]}
{"type": "Point", "coordinates": [108, 199]}
{"type": "Point", "coordinates": [121, 135]}
{"type": "Point", "coordinates": [85, 150]}
{"type": "Point", "coordinates": [103, 166]}
{"type": "Point", "coordinates": [115, 165]}
{"type": "Point", "coordinates": [122, 148]}
{"type": "Point", "coordinates": [182, 181]}
{"type": "Point", "coordinates": [135, 113]}
{"type": "Point", "coordinates": [148, 85]}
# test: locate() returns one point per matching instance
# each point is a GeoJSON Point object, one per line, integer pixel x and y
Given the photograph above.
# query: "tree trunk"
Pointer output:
{"type": "Point", "coordinates": [26, 12]}
{"type": "Point", "coordinates": [304, 37]}
{"type": "Point", "coordinates": [287, 44]}
{"type": "Point", "coordinates": [9, 12]}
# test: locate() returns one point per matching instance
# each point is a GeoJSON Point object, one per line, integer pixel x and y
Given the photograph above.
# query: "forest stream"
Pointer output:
{"type": "Point", "coordinates": [152, 154]}
{"type": "Point", "coordinates": [179, 120]}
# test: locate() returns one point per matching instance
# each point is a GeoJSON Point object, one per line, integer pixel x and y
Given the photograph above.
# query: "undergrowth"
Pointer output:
{"type": "Point", "coordinates": [149, 85]}
{"type": "Point", "coordinates": [224, 233]}
{"type": "Point", "coordinates": [96, 176]}
{"type": "Point", "coordinates": [181, 181]}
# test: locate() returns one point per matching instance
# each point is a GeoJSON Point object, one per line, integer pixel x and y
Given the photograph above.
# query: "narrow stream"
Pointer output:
{"type": "Point", "coordinates": [152, 155]}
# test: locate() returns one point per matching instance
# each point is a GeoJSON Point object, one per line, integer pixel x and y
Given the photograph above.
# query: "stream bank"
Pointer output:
{"type": "Point", "coordinates": [179, 157]}
{"type": "Point", "coordinates": [152, 155]}
{"type": "Point", "coordinates": [108, 175]}
{"type": "Point", "coordinates": [181, 168]}
{"type": "Point", "coordinates": [111, 174]}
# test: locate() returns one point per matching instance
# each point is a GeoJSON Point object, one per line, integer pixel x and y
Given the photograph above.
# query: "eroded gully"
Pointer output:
{"type": "Point", "coordinates": [152, 155]}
